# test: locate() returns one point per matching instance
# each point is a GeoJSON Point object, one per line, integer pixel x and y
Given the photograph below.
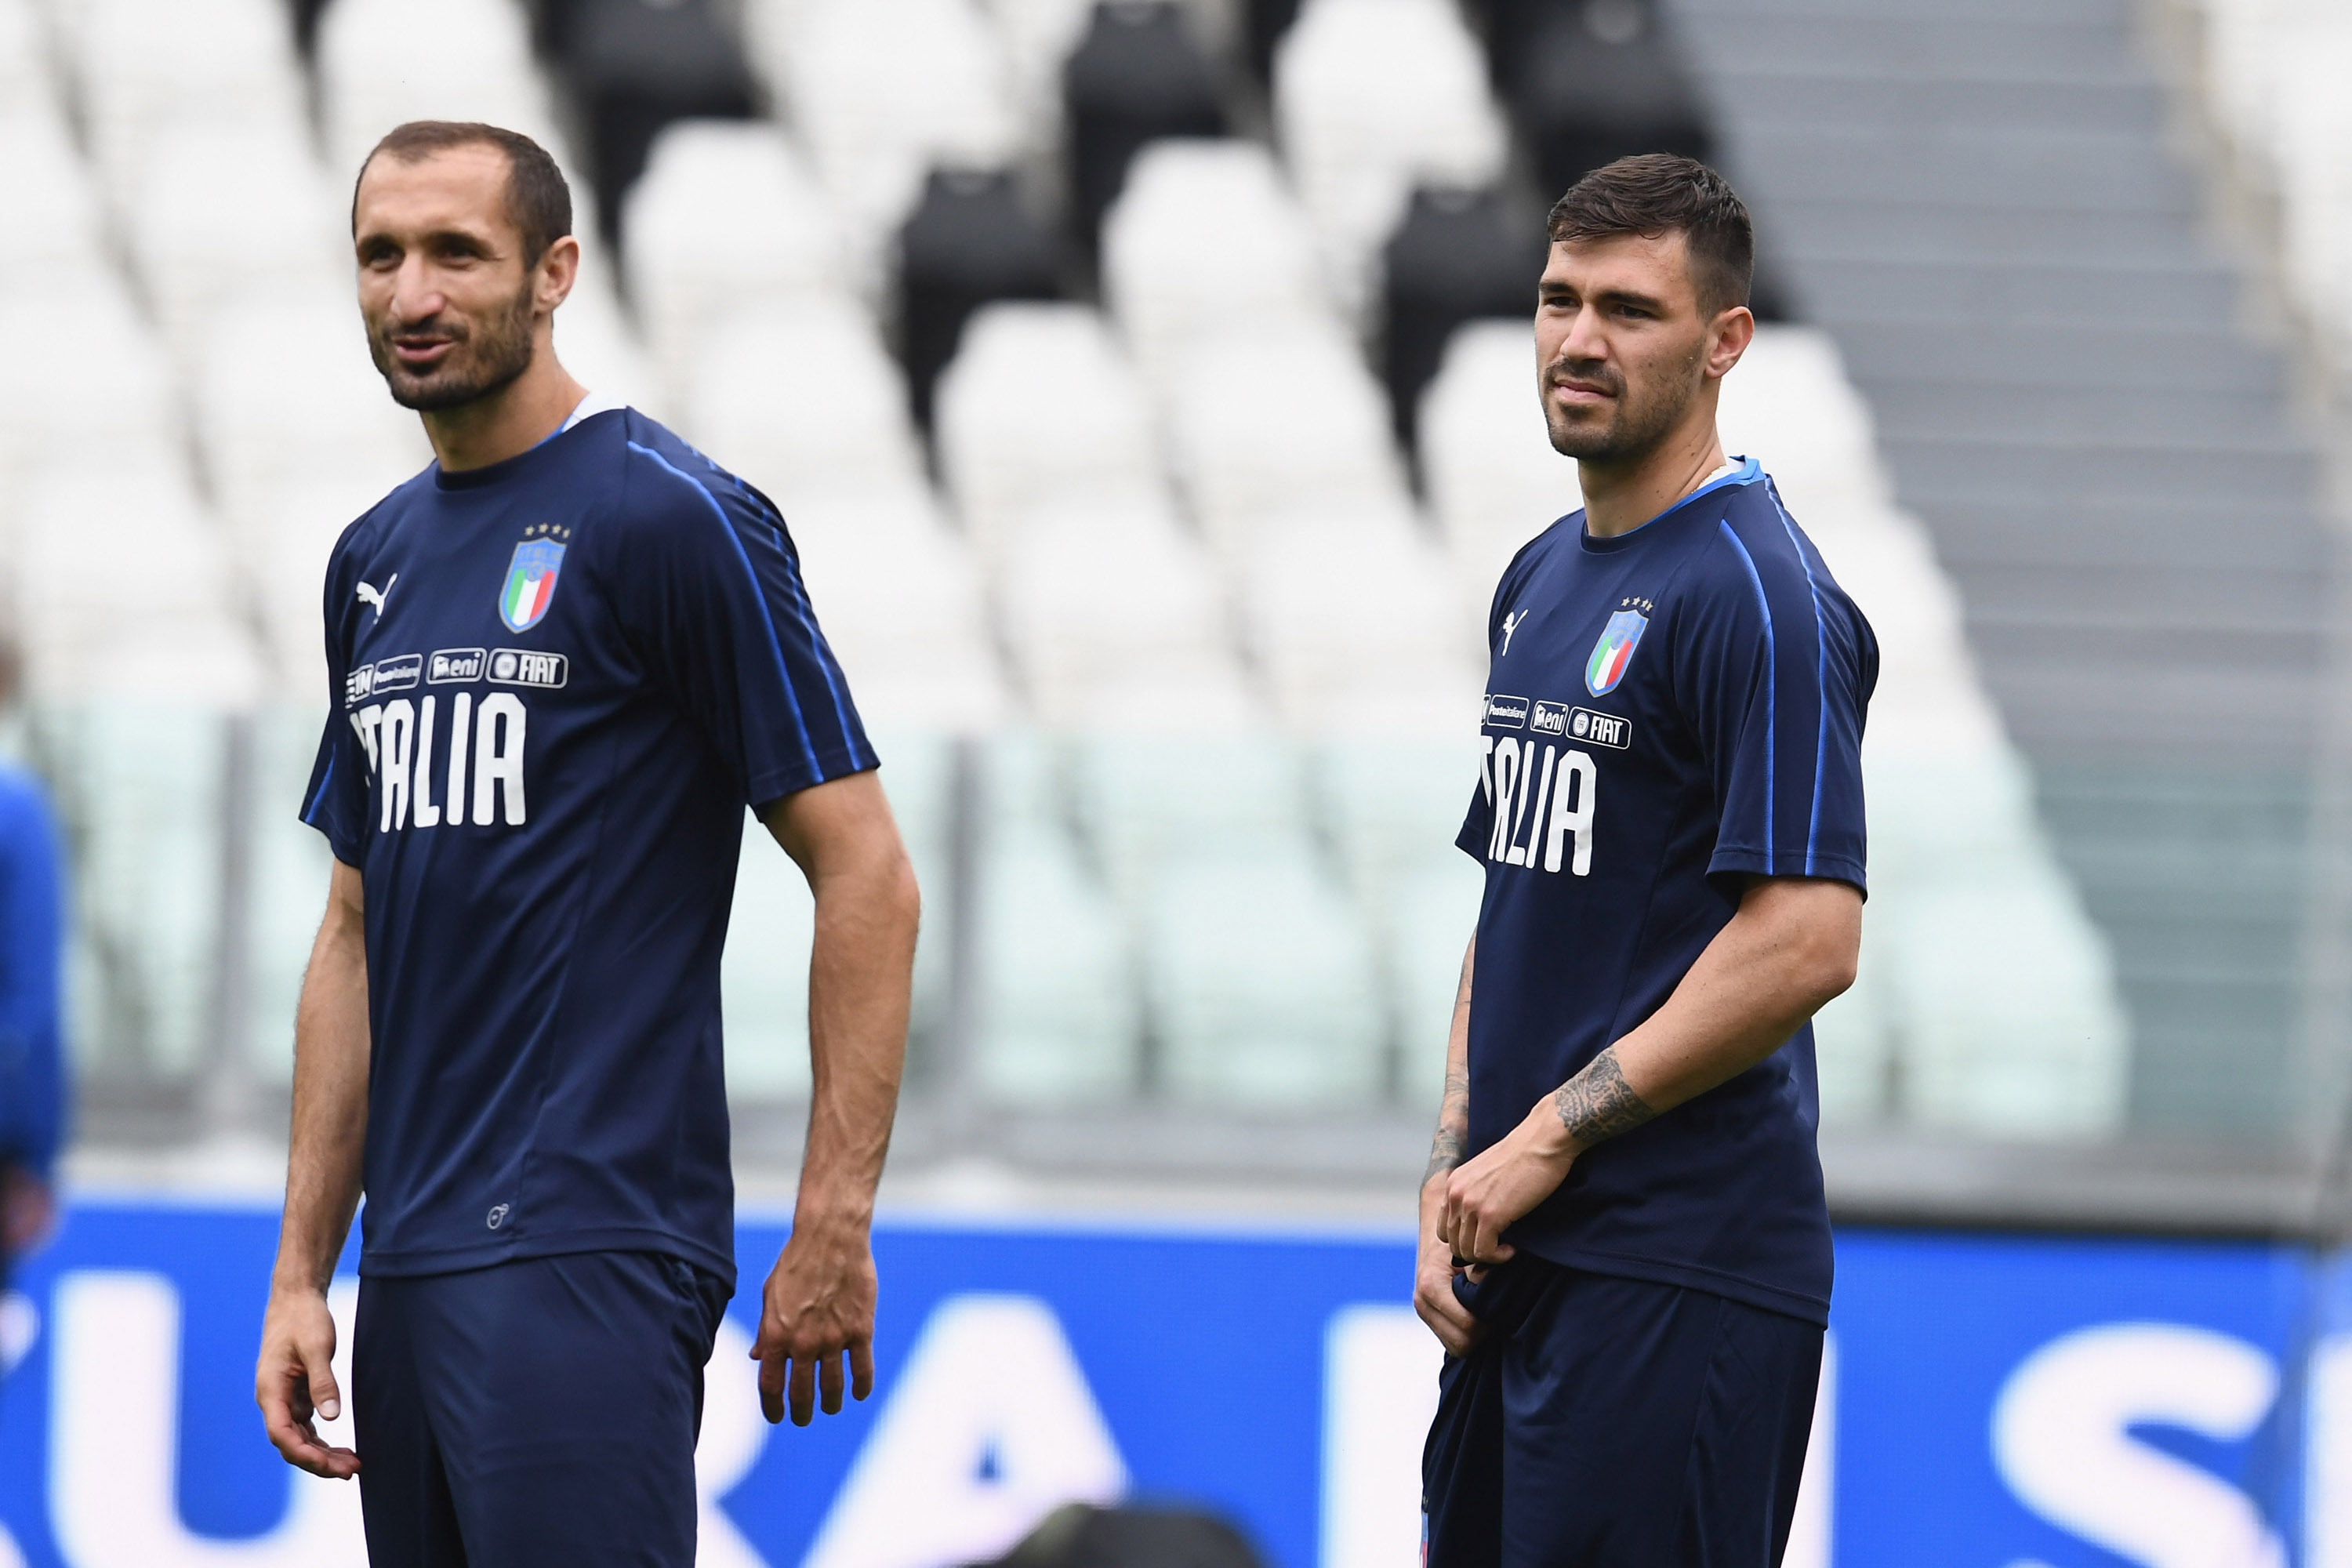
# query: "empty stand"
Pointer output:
{"type": "Point", "coordinates": [1136, 78]}
{"type": "Point", "coordinates": [1457, 255]}
{"type": "Point", "coordinates": [1493, 480]}
{"type": "Point", "coordinates": [1370, 98]}
{"type": "Point", "coordinates": [727, 215]}
{"type": "Point", "coordinates": [368, 80]}
{"type": "Point", "coordinates": [971, 241]}
{"type": "Point", "coordinates": [1594, 82]}
{"type": "Point", "coordinates": [1977, 205]}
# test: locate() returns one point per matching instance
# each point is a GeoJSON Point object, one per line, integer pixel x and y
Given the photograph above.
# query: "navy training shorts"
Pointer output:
{"type": "Point", "coordinates": [538, 1411]}
{"type": "Point", "coordinates": [1610, 1422]}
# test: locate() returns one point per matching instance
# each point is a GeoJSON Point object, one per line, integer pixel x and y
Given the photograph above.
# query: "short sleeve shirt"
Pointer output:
{"type": "Point", "coordinates": [556, 683]}
{"type": "Point", "coordinates": [1670, 712]}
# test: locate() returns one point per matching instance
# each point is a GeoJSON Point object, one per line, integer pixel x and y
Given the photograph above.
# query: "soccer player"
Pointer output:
{"type": "Point", "coordinates": [561, 659]}
{"type": "Point", "coordinates": [1624, 1246]}
{"type": "Point", "coordinates": [32, 1066]}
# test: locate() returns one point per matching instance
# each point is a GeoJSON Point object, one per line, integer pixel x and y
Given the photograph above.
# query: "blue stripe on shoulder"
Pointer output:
{"type": "Point", "coordinates": [758, 597]}
{"type": "Point", "coordinates": [836, 679]}
{"type": "Point", "coordinates": [1771, 680]}
{"type": "Point", "coordinates": [1821, 675]}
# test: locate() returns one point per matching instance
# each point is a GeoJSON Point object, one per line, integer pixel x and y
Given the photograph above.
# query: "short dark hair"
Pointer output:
{"type": "Point", "coordinates": [1656, 193]}
{"type": "Point", "coordinates": [538, 200]}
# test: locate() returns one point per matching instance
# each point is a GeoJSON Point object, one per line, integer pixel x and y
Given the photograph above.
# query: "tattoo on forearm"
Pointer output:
{"type": "Point", "coordinates": [1453, 1127]}
{"type": "Point", "coordinates": [1598, 1103]}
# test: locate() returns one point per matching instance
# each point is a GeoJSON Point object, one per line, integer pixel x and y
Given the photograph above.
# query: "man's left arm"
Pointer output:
{"type": "Point", "coordinates": [817, 1310]}
{"type": "Point", "coordinates": [1788, 949]}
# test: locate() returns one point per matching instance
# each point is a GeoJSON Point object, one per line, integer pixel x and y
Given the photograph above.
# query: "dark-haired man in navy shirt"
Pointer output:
{"type": "Point", "coordinates": [562, 660]}
{"type": "Point", "coordinates": [1625, 1246]}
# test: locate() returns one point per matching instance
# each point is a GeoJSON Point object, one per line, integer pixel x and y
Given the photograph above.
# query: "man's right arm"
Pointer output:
{"type": "Point", "coordinates": [1433, 1292]}
{"type": "Point", "coordinates": [294, 1377]}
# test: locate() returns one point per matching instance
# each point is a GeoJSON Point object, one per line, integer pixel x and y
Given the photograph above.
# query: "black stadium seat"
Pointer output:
{"type": "Point", "coordinates": [1458, 255]}
{"type": "Point", "coordinates": [970, 241]}
{"type": "Point", "coordinates": [633, 65]}
{"type": "Point", "coordinates": [1137, 77]}
{"type": "Point", "coordinates": [1589, 83]}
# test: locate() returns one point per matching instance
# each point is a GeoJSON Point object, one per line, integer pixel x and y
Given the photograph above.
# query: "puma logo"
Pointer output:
{"type": "Point", "coordinates": [371, 594]}
{"type": "Point", "coordinates": [1512, 622]}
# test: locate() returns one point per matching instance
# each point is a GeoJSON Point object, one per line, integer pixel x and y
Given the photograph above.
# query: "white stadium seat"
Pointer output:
{"type": "Point", "coordinates": [1059, 1019]}
{"type": "Point", "coordinates": [26, 80]}
{"type": "Point", "coordinates": [1275, 421]}
{"type": "Point", "coordinates": [763, 978]}
{"type": "Point", "coordinates": [1038, 39]}
{"type": "Point", "coordinates": [725, 214]}
{"type": "Point", "coordinates": [1144, 801]}
{"type": "Point", "coordinates": [372, 78]}
{"type": "Point", "coordinates": [1494, 481]}
{"type": "Point", "coordinates": [150, 74]}
{"type": "Point", "coordinates": [880, 94]}
{"type": "Point", "coordinates": [1207, 239]}
{"type": "Point", "coordinates": [291, 869]}
{"type": "Point", "coordinates": [1261, 981]}
{"type": "Point", "coordinates": [1094, 608]}
{"type": "Point", "coordinates": [1040, 408]}
{"type": "Point", "coordinates": [1371, 98]}
{"type": "Point", "coordinates": [1390, 806]}
{"type": "Point", "coordinates": [223, 210]}
{"type": "Point", "coordinates": [801, 397]}
{"type": "Point", "coordinates": [105, 390]}
{"type": "Point", "coordinates": [122, 588]}
{"type": "Point", "coordinates": [1426, 916]}
{"type": "Point", "coordinates": [55, 227]}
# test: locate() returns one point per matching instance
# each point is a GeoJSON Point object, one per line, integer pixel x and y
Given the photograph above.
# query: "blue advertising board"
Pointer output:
{"type": "Point", "coordinates": [1992, 1401]}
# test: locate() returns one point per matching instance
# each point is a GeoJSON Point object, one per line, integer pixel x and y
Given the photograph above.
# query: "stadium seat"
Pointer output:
{"type": "Point", "coordinates": [1493, 479]}
{"type": "Point", "coordinates": [1206, 239]}
{"type": "Point", "coordinates": [256, 438]}
{"type": "Point", "coordinates": [970, 241]}
{"type": "Point", "coordinates": [1427, 915]}
{"type": "Point", "coordinates": [899, 598]}
{"type": "Point", "coordinates": [1059, 1019]}
{"type": "Point", "coordinates": [1094, 607]}
{"type": "Point", "coordinates": [1038, 37]}
{"type": "Point", "coordinates": [105, 390]}
{"type": "Point", "coordinates": [1390, 806]}
{"type": "Point", "coordinates": [633, 67]}
{"type": "Point", "coordinates": [1274, 421]}
{"type": "Point", "coordinates": [1590, 84]}
{"type": "Point", "coordinates": [1136, 78]}
{"type": "Point", "coordinates": [123, 590]}
{"type": "Point", "coordinates": [1372, 98]}
{"type": "Point", "coordinates": [1265, 24]}
{"type": "Point", "coordinates": [800, 396]}
{"type": "Point", "coordinates": [150, 73]}
{"type": "Point", "coordinates": [138, 782]}
{"type": "Point", "coordinates": [1144, 801]}
{"type": "Point", "coordinates": [726, 214]}
{"type": "Point", "coordinates": [1357, 623]}
{"type": "Point", "coordinates": [1458, 256]}
{"type": "Point", "coordinates": [883, 94]}
{"type": "Point", "coordinates": [763, 980]}
{"type": "Point", "coordinates": [1039, 408]}
{"type": "Point", "coordinates": [1261, 983]}
{"type": "Point", "coordinates": [288, 883]}
{"type": "Point", "coordinates": [55, 225]}
{"type": "Point", "coordinates": [482, 71]}
{"type": "Point", "coordinates": [221, 210]}
{"type": "Point", "coordinates": [26, 78]}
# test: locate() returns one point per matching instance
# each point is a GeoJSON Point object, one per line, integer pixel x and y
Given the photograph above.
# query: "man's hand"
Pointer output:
{"type": "Point", "coordinates": [1433, 1284]}
{"type": "Point", "coordinates": [817, 1312]}
{"type": "Point", "coordinates": [28, 1211]}
{"type": "Point", "coordinates": [1484, 1196]}
{"type": "Point", "coordinates": [296, 1378]}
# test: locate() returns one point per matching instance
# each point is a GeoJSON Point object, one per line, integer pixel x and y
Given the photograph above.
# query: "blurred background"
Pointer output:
{"type": "Point", "coordinates": [1148, 386]}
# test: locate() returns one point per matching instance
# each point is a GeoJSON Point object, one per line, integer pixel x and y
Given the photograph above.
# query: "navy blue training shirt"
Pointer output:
{"type": "Point", "coordinates": [1669, 712]}
{"type": "Point", "coordinates": [557, 683]}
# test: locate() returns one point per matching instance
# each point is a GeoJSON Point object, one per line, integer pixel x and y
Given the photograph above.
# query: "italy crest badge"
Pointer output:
{"type": "Point", "coordinates": [1614, 652]}
{"type": "Point", "coordinates": [530, 584]}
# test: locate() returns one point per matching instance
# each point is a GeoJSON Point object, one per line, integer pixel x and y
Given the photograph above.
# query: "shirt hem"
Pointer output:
{"type": "Point", "coordinates": [1813, 1310]}
{"type": "Point", "coordinates": [412, 1263]}
{"type": "Point", "coordinates": [775, 785]}
{"type": "Point", "coordinates": [1754, 862]}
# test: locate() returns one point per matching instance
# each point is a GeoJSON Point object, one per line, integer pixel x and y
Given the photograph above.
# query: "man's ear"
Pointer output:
{"type": "Point", "coordinates": [559, 269]}
{"type": "Point", "coordinates": [1728, 336]}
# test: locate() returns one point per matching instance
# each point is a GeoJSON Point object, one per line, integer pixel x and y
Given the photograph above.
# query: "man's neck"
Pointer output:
{"type": "Point", "coordinates": [1618, 499]}
{"type": "Point", "coordinates": [508, 422]}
